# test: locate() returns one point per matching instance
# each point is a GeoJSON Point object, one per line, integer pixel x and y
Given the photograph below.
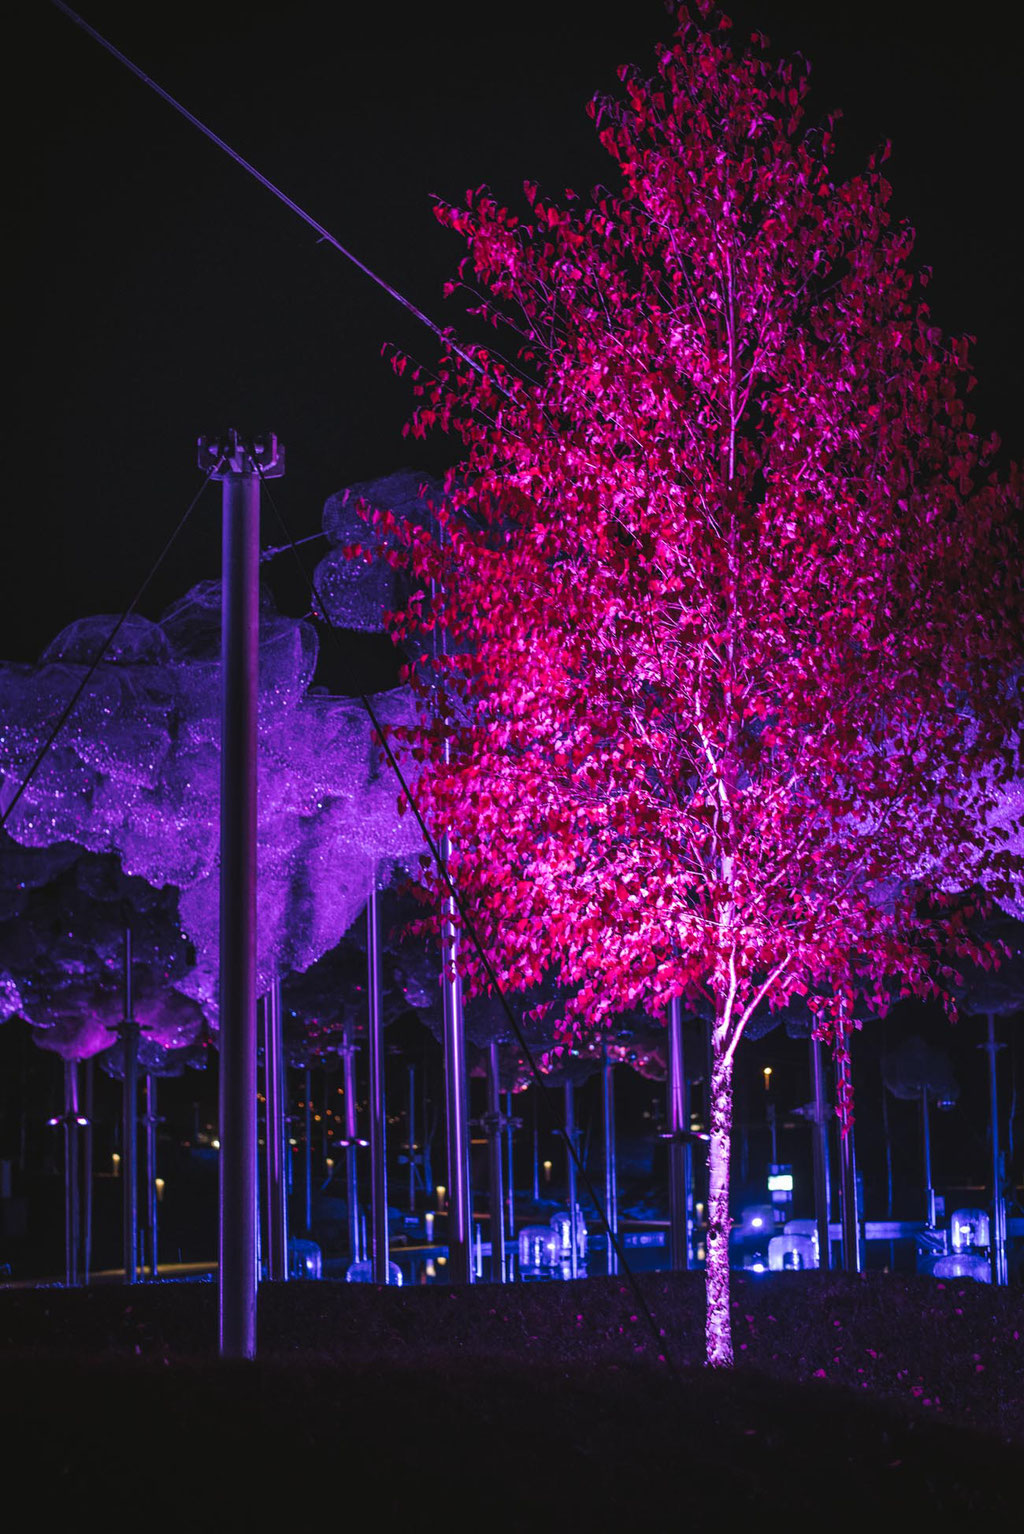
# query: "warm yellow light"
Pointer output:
{"type": "Point", "coordinates": [767, 1077]}
{"type": "Point", "coordinates": [441, 1191]}
{"type": "Point", "coordinates": [547, 1171]}
{"type": "Point", "coordinates": [158, 1184]}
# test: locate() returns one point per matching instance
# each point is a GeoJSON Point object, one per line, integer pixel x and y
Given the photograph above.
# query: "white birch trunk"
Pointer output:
{"type": "Point", "coordinates": [718, 1325]}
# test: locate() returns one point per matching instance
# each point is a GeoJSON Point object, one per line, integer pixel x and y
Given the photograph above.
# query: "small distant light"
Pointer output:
{"type": "Point", "coordinates": [215, 1144]}
{"type": "Point", "coordinates": [767, 1077]}
{"type": "Point", "coordinates": [441, 1261]}
{"type": "Point", "coordinates": [53, 1122]}
{"type": "Point", "coordinates": [441, 1191]}
{"type": "Point", "coordinates": [780, 1182]}
{"type": "Point", "coordinates": [757, 1222]}
{"type": "Point", "coordinates": [159, 1185]}
{"type": "Point", "coordinates": [82, 1120]}
{"type": "Point", "coordinates": [757, 1267]}
{"type": "Point", "coordinates": [292, 1142]}
{"type": "Point", "coordinates": [329, 1163]}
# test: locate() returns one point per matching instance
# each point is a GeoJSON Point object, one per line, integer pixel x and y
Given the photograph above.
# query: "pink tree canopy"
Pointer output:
{"type": "Point", "coordinates": [728, 579]}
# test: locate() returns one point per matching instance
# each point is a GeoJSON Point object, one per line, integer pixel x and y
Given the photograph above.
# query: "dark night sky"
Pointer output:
{"type": "Point", "coordinates": [163, 293]}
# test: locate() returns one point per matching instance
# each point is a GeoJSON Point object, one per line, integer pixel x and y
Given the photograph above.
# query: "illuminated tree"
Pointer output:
{"type": "Point", "coordinates": [729, 585]}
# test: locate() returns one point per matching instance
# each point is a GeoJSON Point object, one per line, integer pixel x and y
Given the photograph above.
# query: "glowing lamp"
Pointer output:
{"type": "Point", "coordinates": [540, 1248]}
{"type": "Point", "coordinates": [968, 1229]}
{"type": "Point", "coordinates": [362, 1273]}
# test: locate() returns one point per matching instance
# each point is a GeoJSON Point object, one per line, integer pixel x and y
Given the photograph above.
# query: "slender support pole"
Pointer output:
{"type": "Point", "coordinates": [129, 1034]}
{"type": "Point", "coordinates": [87, 1107]}
{"type": "Point", "coordinates": [611, 1180]}
{"type": "Point", "coordinates": [570, 1137]}
{"type": "Point", "coordinates": [308, 1152]}
{"type": "Point", "coordinates": [72, 1224]}
{"type": "Point", "coordinates": [510, 1184]}
{"type": "Point", "coordinates": [819, 1146]}
{"type": "Point", "coordinates": [411, 1137]}
{"type": "Point", "coordinates": [852, 1257]}
{"type": "Point", "coordinates": [356, 1248]}
{"type": "Point", "coordinates": [926, 1153]}
{"type": "Point", "coordinates": [997, 1242]}
{"type": "Point", "coordinates": [235, 464]}
{"type": "Point", "coordinates": [378, 1108]}
{"type": "Point", "coordinates": [493, 1123]}
{"type": "Point", "coordinates": [460, 1211]}
{"type": "Point", "coordinates": [151, 1121]}
{"type": "Point", "coordinates": [536, 1145]}
{"type": "Point", "coordinates": [678, 1149]}
{"type": "Point", "coordinates": [275, 1224]}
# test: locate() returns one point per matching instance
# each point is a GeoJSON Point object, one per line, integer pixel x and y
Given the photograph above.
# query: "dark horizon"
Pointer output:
{"type": "Point", "coordinates": [167, 295]}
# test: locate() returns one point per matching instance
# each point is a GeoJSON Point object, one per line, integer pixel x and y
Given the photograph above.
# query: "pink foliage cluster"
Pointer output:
{"type": "Point", "coordinates": [727, 580]}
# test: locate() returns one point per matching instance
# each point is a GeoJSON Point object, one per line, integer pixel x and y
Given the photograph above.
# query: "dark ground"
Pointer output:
{"type": "Point", "coordinates": [532, 1407]}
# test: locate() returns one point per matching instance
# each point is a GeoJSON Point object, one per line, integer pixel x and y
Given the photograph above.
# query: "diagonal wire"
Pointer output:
{"type": "Point", "coordinates": [321, 611]}
{"type": "Point", "coordinates": [72, 703]}
{"type": "Point", "coordinates": [325, 234]}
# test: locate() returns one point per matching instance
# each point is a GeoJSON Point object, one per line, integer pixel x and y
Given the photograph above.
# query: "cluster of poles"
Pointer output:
{"type": "Point", "coordinates": [240, 466]}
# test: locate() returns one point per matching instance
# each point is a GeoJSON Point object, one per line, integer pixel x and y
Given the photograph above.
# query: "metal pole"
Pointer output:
{"type": "Point", "coordinates": [411, 1137]}
{"type": "Point", "coordinates": [536, 1145]}
{"type": "Point", "coordinates": [510, 1187]}
{"type": "Point", "coordinates": [87, 1106]}
{"type": "Point", "coordinates": [152, 1215]}
{"type": "Point", "coordinates": [308, 1158]}
{"type": "Point", "coordinates": [378, 1110]}
{"type": "Point", "coordinates": [926, 1148]}
{"type": "Point", "coordinates": [129, 1033]}
{"type": "Point", "coordinates": [822, 1189]}
{"type": "Point", "coordinates": [493, 1123]}
{"type": "Point", "coordinates": [848, 1180]}
{"type": "Point", "coordinates": [997, 1244]}
{"type": "Point", "coordinates": [679, 1256]}
{"type": "Point", "coordinates": [570, 1138]}
{"type": "Point", "coordinates": [71, 1195]}
{"type": "Point", "coordinates": [231, 461]}
{"type": "Point", "coordinates": [275, 1224]}
{"type": "Point", "coordinates": [611, 1180]}
{"type": "Point", "coordinates": [460, 1211]}
{"type": "Point", "coordinates": [348, 1055]}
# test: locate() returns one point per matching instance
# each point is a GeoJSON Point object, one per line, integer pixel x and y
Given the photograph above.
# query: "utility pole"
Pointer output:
{"type": "Point", "coordinates": [852, 1255]}
{"type": "Point", "coordinates": [611, 1182]}
{"type": "Point", "coordinates": [494, 1123]}
{"type": "Point", "coordinates": [571, 1144]}
{"type": "Point", "coordinates": [997, 1234]}
{"type": "Point", "coordinates": [822, 1181]}
{"type": "Point", "coordinates": [151, 1120]}
{"type": "Point", "coordinates": [128, 1033]}
{"type": "Point", "coordinates": [460, 1212]}
{"type": "Point", "coordinates": [351, 1143]}
{"type": "Point", "coordinates": [239, 466]}
{"type": "Point", "coordinates": [378, 1108]}
{"type": "Point", "coordinates": [679, 1152]}
{"type": "Point", "coordinates": [70, 1121]}
{"type": "Point", "coordinates": [275, 1223]}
